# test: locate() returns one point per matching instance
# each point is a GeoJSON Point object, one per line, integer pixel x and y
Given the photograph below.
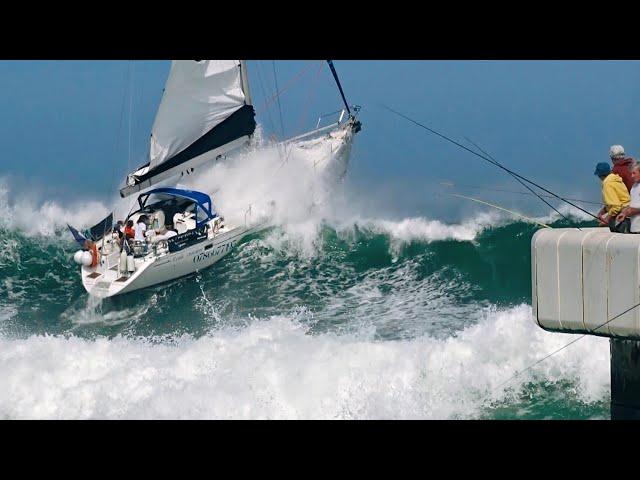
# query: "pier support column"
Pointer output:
{"type": "Point", "coordinates": [625, 379]}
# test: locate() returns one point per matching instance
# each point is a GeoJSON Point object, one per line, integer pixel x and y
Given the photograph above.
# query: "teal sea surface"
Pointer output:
{"type": "Point", "coordinates": [374, 319]}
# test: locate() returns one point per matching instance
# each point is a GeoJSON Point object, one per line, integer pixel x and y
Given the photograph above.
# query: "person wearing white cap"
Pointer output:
{"type": "Point", "coordinates": [616, 151]}
{"type": "Point", "coordinates": [621, 165]}
{"type": "Point", "coordinates": [633, 210]}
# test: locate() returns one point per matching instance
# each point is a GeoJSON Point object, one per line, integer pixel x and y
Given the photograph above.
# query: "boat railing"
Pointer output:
{"type": "Point", "coordinates": [324, 115]}
{"type": "Point", "coordinates": [311, 133]}
{"type": "Point", "coordinates": [319, 130]}
{"type": "Point", "coordinates": [112, 259]}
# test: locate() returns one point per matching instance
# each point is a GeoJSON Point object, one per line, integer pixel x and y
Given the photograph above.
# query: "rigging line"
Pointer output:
{"type": "Point", "coordinates": [522, 183]}
{"type": "Point", "coordinates": [138, 118]}
{"type": "Point", "coordinates": [117, 140]}
{"type": "Point", "coordinates": [451, 184]}
{"type": "Point", "coordinates": [565, 346]}
{"type": "Point", "coordinates": [275, 78]}
{"type": "Point", "coordinates": [264, 94]}
{"type": "Point", "coordinates": [130, 101]}
{"type": "Point", "coordinates": [490, 161]}
{"type": "Point", "coordinates": [500, 208]}
{"type": "Point", "coordinates": [268, 110]}
{"type": "Point", "coordinates": [305, 112]}
{"type": "Point", "coordinates": [291, 82]}
{"type": "Point", "coordinates": [310, 95]}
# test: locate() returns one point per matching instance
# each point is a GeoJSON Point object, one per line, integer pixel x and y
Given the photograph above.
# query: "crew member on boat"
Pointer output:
{"type": "Point", "coordinates": [141, 228]}
{"type": "Point", "coordinates": [614, 196]}
{"type": "Point", "coordinates": [129, 232]}
{"type": "Point", "coordinates": [632, 212]}
{"type": "Point", "coordinates": [118, 233]}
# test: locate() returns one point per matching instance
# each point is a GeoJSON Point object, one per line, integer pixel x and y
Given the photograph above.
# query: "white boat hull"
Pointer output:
{"type": "Point", "coordinates": [329, 153]}
{"type": "Point", "coordinates": [105, 280]}
{"type": "Point", "coordinates": [327, 149]}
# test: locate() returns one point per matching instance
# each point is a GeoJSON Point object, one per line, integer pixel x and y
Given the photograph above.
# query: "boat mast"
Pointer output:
{"type": "Point", "coordinates": [244, 76]}
{"type": "Point", "coordinates": [335, 76]}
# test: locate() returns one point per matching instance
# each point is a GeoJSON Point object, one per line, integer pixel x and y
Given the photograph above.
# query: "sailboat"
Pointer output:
{"type": "Point", "coordinates": [205, 115]}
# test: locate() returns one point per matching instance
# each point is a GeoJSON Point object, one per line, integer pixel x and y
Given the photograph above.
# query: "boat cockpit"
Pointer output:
{"type": "Point", "coordinates": [181, 210]}
{"type": "Point", "coordinates": [181, 222]}
{"type": "Point", "coordinates": [175, 216]}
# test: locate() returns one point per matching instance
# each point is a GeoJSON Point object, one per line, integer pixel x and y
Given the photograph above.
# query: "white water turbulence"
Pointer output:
{"type": "Point", "coordinates": [299, 186]}
{"type": "Point", "coordinates": [571, 213]}
{"type": "Point", "coordinates": [287, 182]}
{"type": "Point", "coordinates": [19, 211]}
{"type": "Point", "coordinates": [414, 337]}
{"type": "Point", "coordinates": [274, 369]}
{"type": "Point", "coordinates": [425, 230]}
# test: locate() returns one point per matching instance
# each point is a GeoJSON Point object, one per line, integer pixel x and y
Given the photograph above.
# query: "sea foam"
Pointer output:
{"type": "Point", "coordinates": [274, 368]}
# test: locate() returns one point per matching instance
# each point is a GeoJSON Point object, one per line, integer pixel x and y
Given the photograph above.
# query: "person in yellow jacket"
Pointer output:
{"type": "Point", "coordinates": [615, 196]}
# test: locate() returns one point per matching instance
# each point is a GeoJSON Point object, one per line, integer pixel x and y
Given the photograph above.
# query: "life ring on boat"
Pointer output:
{"type": "Point", "coordinates": [95, 256]}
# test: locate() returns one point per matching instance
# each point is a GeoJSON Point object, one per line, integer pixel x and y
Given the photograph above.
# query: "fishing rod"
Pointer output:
{"type": "Point", "coordinates": [565, 346]}
{"type": "Point", "coordinates": [521, 182]}
{"type": "Point", "coordinates": [499, 208]}
{"type": "Point", "coordinates": [451, 184]}
{"type": "Point", "coordinates": [493, 162]}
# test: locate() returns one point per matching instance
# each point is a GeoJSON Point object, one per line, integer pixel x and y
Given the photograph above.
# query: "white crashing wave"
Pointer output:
{"type": "Point", "coordinates": [275, 369]}
{"type": "Point", "coordinates": [284, 182]}
{"type": "Point", "coordinates": [570, 212]}
{"type": "Point", "coordinates": [422, 229]}
{"type": "Point", "coordinates": [239, 193]}
{"type": "Point", "coordinates": [45, 218]}
{"type": "Point", "coordinates": [303, 237]}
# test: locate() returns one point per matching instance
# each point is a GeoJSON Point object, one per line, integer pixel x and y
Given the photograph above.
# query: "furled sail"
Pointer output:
{"type": "Point", "coordinates": [205, 111]}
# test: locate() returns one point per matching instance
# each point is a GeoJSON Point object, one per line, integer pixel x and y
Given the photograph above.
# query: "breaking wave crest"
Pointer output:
{"type": "Point", "coordinates": [46, 218]}
{"type": "Point", "coordinates": [328, 314]}
{"type": "Point", "coordinates": [274, 368]}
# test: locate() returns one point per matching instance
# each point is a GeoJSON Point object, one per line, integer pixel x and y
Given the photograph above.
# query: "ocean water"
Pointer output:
{"type": "Point", "coordinates": [377, 319]}
{"type": "Point", "coordinates": [328, 314]}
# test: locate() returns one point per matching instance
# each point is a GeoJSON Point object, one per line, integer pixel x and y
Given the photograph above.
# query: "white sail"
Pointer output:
{"type": "Point", "coordinates": [204, 113]}
{"type": "Point", "coordinates": [198, 96]}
